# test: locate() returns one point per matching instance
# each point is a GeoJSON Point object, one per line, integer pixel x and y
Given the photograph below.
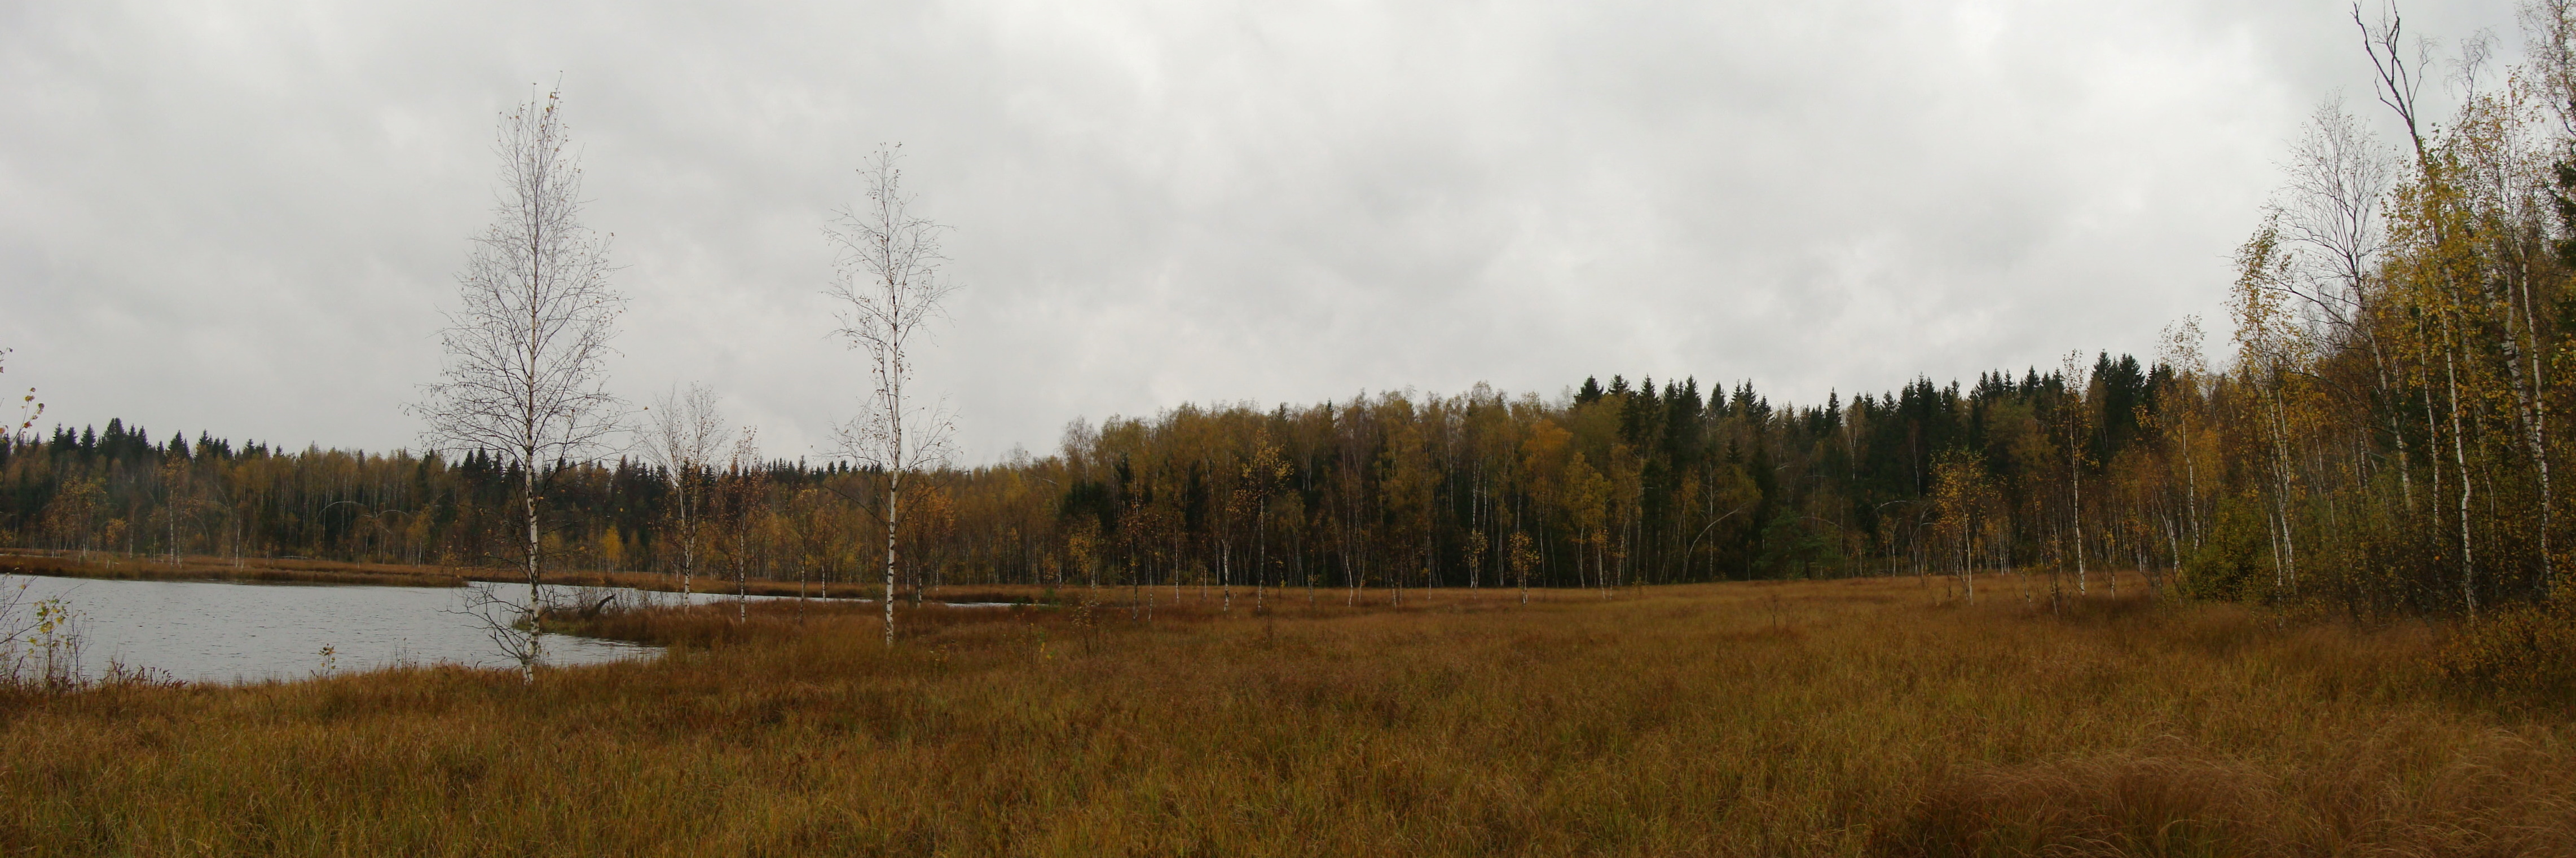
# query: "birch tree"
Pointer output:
{"type": "Point", "coordinates": [683, 436]}
{"type": "Point", "coordinates": [744, 499]}
{"type": "Point", "coordinates": [2074, 420]}
{"type": "Point", "coordinates": [888, 287]}
{"type": "Point", "coordinates": [525, 367]}
{"type": "Point", "coordinates": [2338, 177]}
{"type": "Point", "coordinates": [1963, 494]}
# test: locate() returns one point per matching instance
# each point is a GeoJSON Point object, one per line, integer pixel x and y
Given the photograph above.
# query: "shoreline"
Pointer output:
{"type": "Point", "coordinates": [113, 566]}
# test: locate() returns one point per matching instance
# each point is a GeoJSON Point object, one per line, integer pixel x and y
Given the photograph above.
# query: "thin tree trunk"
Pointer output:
{"type": "Point", "coordinates": [2533, 416]}
{"type": "Point", "coordinates": [2460, 455]}
{"type": "Point", "coordinates": [2288, 576]}
{"type": "Point", "coordinates": [536, 607]}
{"type": "Point", "coordinates": [2405, 469]}
{"type": "Point", "coordinates": [894, 517]}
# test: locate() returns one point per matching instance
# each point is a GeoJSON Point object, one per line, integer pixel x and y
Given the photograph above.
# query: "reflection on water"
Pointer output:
{"type": "Point", "coordinates": [223, 632]}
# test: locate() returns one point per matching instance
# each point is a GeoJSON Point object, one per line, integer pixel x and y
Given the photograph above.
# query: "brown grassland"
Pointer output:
{"type": "Point", "coordinates": [1823, 718]}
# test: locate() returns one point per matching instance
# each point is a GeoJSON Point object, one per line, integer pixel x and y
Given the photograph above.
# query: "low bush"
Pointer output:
{"type": "Point", "coordinates": [2524, 651]}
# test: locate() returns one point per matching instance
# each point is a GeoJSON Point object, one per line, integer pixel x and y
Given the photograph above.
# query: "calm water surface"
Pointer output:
{"type": "Point", "coordinates": [225, 632]}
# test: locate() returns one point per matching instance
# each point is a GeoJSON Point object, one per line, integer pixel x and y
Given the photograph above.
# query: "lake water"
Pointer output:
{"type": "Point", "coordinates": [211, 631]}
{"type": "Point", "coordinates": [222, 632]}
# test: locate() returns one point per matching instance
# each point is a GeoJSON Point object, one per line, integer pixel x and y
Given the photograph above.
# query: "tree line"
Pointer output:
{"type": "Point", "coordinates": [1607, 487]}
{"type": "Point", "coordinates": [2112, 463]}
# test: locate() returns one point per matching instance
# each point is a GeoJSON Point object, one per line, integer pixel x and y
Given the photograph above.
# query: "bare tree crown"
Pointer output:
{"type": "Point", "coordinates": [525, 371]}
{"type": "Point", "coordinates": [887, 286]}
{"type": "Point", "coordinates": [684, 430]}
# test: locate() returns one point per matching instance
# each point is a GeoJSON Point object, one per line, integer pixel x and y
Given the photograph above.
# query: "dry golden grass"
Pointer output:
{"type": "Point", "coordinates": [1833, 718]}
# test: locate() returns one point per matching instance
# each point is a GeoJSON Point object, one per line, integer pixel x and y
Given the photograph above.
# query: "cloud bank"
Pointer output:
{"type": "Point", "coordinates": [248, 219]}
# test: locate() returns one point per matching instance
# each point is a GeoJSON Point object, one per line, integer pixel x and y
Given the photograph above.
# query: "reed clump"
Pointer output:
{"type": "Point", "coordinates": [1826, 718]}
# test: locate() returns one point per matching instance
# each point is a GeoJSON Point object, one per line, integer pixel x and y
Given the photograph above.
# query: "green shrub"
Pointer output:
{"type": "Point", "coordinates": [2235, 563]}
{"type": "Point", "coordinates": [2521, 650]}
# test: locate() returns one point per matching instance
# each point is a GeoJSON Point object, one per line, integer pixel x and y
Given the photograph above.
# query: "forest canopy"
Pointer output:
{"type": "Point", "coordinates": [1616, 485]}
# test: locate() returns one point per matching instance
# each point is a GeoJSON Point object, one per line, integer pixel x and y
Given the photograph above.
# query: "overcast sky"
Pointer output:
{"type": "Point", "coordinates": [247, 218]}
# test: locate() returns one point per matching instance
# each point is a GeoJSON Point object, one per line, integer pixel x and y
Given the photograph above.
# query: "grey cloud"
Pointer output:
{"type": "Point", "coordinates": [247, 219]}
